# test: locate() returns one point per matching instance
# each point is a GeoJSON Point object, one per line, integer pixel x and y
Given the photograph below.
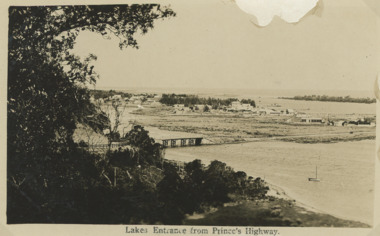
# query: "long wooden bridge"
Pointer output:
{"type": "Point", "coordinates": [172, 142]}
{"type": "Point", "coordinates": [180, 142]}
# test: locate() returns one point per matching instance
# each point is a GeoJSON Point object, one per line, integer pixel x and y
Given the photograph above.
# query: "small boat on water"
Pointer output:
{"type": "Point", "coordinates": [316, 176]}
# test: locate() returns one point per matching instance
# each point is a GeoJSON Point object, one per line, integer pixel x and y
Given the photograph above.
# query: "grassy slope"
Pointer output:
{"type": "Point", "coordinates": [274, 212]}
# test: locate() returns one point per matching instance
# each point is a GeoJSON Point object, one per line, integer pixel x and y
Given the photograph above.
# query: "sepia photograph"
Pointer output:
{"type": "Point", "coordinates": [191, 117]}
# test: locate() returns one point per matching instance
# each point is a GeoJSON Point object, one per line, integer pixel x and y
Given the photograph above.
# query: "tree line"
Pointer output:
{"type": "Point", "coordinates": [324, 98]}
{"type": "Point", "coordinates": [190, 100]}
{"type": "Point", "coordinates": [106, 94]}
{"type": "Point", "coordinates": [109, 93]}
{"type": "Point", "coordinates": [249, 101]}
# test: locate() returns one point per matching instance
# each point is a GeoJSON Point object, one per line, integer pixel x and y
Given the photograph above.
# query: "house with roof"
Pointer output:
{"type": "Point", "coordinates": [310, 120]}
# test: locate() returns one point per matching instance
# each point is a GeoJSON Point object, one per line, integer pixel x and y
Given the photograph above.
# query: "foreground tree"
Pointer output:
{"type": "Point", "coordinates": [47, 95]}
{"type": "Point", "coordinates": [114, 112]}
{"type": "Point", "coordinates": [151, 151]}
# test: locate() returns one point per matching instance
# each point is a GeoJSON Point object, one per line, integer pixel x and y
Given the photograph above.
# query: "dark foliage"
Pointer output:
{"type": "Point", "coordinates": [171, 193]}
{"type": "Point", "coordinates": [206, 109]}
{"type": "Point", "coordinates": [249, 101]}
{"type": "Point", "coordinates": [106, 94]}
{"type": "Point", "coordinates": [202, 187]}
{"type": "Point", "coordinates": [47, 97]}
{"type": "Point", "coordinates": [139, 137]}
{"type": "Point", "coordinates": [191, 100]}
{"type": "Point", "coordinates": [325, 98]}
{"type": "Point", "coordinates": [143, 150]}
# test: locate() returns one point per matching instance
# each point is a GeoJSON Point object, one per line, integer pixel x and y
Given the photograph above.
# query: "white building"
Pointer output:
{"type": "Point", "coordinates": [266, 111]}
{"type": "Point", "coordinates": [238, 106]}
{"type": "Point", "coordinates": [339, 123]}
{"type": "Point", "coordinates": [235, 105]}
{"type": "Point", "coordinates": [290, 111]}
{"type": "Point", "coordinates": [313, 120]}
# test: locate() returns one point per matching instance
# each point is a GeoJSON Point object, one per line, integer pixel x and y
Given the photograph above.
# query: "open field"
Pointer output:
{"type": "Point", "coordinates": [226, 127]}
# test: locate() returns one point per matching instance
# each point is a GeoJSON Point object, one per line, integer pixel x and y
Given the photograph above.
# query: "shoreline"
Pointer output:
{"type": "Point", "coordinates": [278, 205]}
{"type": "Point", "coordinates": [286, 194]}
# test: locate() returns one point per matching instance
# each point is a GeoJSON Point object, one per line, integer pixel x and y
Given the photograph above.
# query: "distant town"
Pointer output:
{"type": "Point", "coordinates": [187, 104]}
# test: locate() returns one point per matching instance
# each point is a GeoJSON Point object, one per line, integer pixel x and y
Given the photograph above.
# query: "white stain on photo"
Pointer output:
{"type": "Point", "coordinates": [290, 11]}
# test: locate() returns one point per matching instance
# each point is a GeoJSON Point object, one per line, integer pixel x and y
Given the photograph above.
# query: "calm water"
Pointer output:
{"type": "Point", "coordinates": [322, 108]}
{"type": "Point", "coordinates": [246, 93]}
{"type": "Point", "coordinates": [346, 171]}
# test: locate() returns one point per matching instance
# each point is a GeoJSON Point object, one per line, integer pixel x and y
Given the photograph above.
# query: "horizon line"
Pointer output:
{"type": "Point", "coordinates": [207, 88]}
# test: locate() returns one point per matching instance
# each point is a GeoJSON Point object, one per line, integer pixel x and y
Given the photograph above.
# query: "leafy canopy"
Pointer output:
{"type": "Point", "coordinates": [46, 82]}
{"type": "Point", "coordinates": [47, 96]}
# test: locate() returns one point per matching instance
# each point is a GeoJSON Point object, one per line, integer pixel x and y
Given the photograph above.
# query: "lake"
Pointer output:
{"type": "Point", "coordinates": [346, 171]}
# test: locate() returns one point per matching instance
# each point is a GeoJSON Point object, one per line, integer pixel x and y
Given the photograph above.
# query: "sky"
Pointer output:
{"type": "Point", "coordinates": [214, 44]}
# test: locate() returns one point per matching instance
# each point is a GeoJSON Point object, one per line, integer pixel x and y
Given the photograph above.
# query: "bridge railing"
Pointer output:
{"type": "Point", "coordinates": [181, 142]}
